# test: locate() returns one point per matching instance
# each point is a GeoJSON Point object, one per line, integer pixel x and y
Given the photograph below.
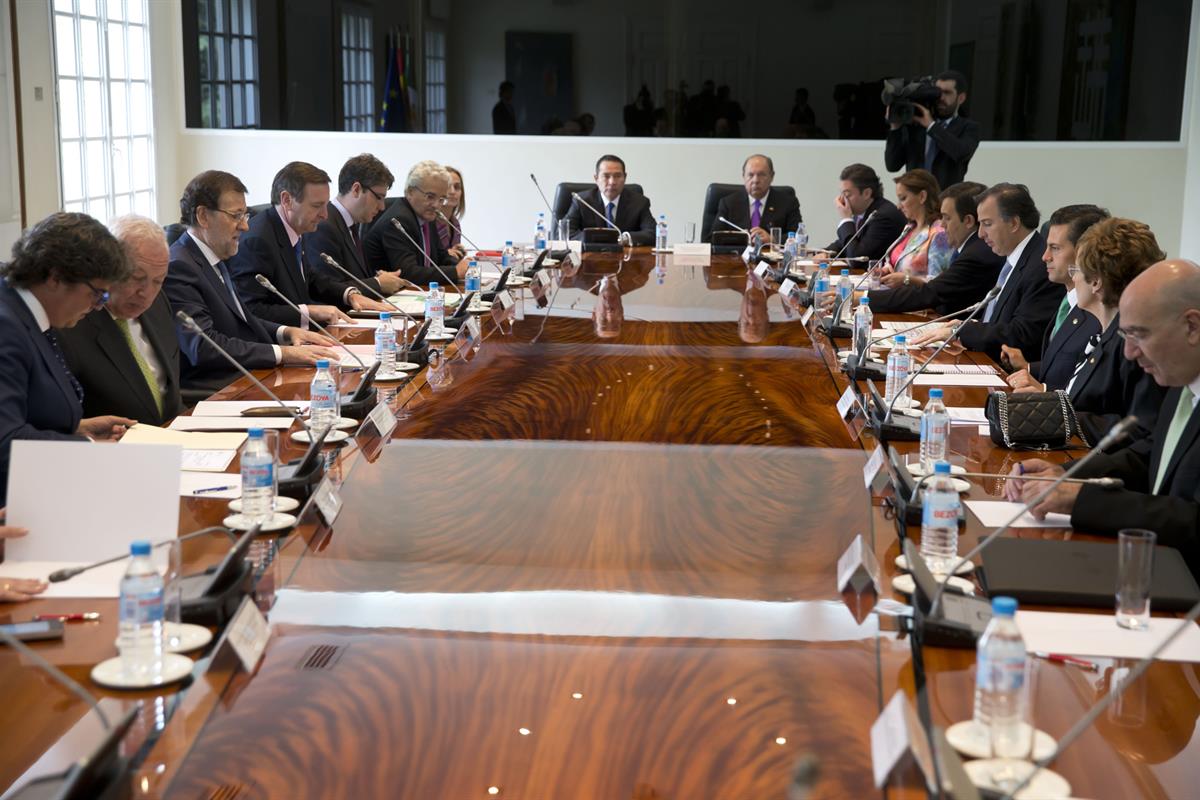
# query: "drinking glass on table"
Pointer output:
{"type": "Point", "coordinates": [172, 596]}
{"type": "Point", "coordinates": [1012, 731]}
{"type": "Point", "coordinates": [689, 230]}
{"type": "Point", "coordinates": [776, 238]}
{"type": "Point", "coordinates": [1135, 566]}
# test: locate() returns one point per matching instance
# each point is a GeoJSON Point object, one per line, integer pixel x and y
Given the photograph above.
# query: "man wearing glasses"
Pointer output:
{"type": "Point", "coordinates": [363, 184]}
{"type": "Point", "coordinates": [126, 355]}
{"type": "Point", "coordinates": [61, 269]}
{"type": "Point", "coordinates": [416, 252]}
{"type": "Point", "coordinates": [213, 208]}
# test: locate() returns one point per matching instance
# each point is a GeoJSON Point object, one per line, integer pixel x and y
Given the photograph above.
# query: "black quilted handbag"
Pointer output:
{"type": "Point", "coordinates": [1035, 421]}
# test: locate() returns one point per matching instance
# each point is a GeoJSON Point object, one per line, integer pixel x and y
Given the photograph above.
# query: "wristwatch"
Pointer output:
{"type": "Point", "coordinates": [907, 278]}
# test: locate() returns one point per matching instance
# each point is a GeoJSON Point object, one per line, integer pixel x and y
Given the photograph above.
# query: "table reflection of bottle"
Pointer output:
{"type": "Point", "coordinates": [609, 313]}
{"type": "Point", "coordinates": [752, 319]}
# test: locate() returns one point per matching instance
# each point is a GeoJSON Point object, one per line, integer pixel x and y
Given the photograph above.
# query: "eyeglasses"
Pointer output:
{"type": "Point", "coordinates": [99, 296]}
{"type": "Point", "coordinates": [436, 199]}
{"type": "Point", "coordinates": [374, 193]}
{"type": "Point", "coordinates": [237, 216]}
{"type": "Point", "coordinates": [1073, 270]}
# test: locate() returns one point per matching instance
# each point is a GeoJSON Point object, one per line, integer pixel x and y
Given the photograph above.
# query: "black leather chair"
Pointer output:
{"type": "Point", "coordinates": [712, 198]}
{"type": "Point", "coordinates": [258, 209]}
{"type": "Point", "coordinates": [174, 230]}
{"type": "Point", "coordinates": [562, 200]}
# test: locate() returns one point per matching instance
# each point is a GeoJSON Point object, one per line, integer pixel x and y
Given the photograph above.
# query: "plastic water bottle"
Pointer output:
{"type": "Point", "coordinates": [258, 477]}
{"type": "Point", "coordinates": [385, 344]}
{"type": "Point", "coordinates": [820, 291]}
{"type": "Point", "coordinates": [660, 233]}
{"type": "Point", "coordinates": [435, 307]}
{"type": "Point", "coordinates": [939, 521]}
{"type": "Point", "coordinates": [539, 233]}
{"type": "Point", "coordinates": [140, 630]}
{"type": "Point", "coordinates": [1000, 692]}
{"type": "Point", "coordinates": [801, 239]}
{"type": "Point", "coordinates": [935, 430]}
{"type": "Point", "coordinates": [823, 270]}
{"type": "Point", "coordinates": [506, 256]}
{"type": "Point", "coordinates": [864, 323]}
{"type": "Point", "coordinates": [899, 364]}
{"type": "Point", "coordinates": [322, 399]}
{"type": "Point", "coordinates": [789, 248]}
{"type": "Point", "coordinates": [473, 276]}
{"type": "Point", "coordinates": [845, 288]}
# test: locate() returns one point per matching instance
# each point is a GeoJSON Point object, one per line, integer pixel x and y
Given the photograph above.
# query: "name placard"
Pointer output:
{"type": "Point", "coordinates": [857, 568]}
{"type": "Point", "coordinates": [248, 634]}
{"type": "Point", "coordinates": [329, 503]}
{"type": "Point", "coordinates": [846, 402]}
{"type": "Point", "coordinates": [763, 270]}
{"type": "Point", "coordinates": [895, 734]}
{"type": "Point", "coordinates": [871, 469]}
{"type": "Point", "coordinates": [804, 318]}
{"type": "Point", "coordinates": [383, 419]}
{"type": "Point", "coordinates": [694, 249]}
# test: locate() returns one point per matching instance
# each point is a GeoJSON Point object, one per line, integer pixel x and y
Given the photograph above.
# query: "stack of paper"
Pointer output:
{"type": "Point", "coordinates": [190, 440]}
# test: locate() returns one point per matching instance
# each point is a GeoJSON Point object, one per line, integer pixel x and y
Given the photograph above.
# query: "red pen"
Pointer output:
{"type": "Point", "coordinates": [1058, 658]}
{"type": "Point", "coordinates": [83, 616]}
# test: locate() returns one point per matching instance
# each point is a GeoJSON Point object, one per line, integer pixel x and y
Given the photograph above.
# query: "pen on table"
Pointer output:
{"type": "Point", "coordinates": [210, 489]}
{"type": "Point", "coordinates": [1058, 658]}
{"type": "Point", "coordinates": [83, 616]}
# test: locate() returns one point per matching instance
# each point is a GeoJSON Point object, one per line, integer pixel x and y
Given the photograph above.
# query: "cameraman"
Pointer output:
{"type": "Point", "coordinates": [944, 145]}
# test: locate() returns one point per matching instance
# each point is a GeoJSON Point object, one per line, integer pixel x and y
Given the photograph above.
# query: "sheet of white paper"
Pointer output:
{"type": "Point", "coordinates": [192, 440]}
{"type": "Point", "coordinates": [398, 324]}
{"type": "Point", "coordinates": [1099, 635]}
{"type": "Point", "coordinates": [960, 380]}
{"type": "Point", "coordinates": [966, 416]}
{"type": "Point", "coordinates": [86, 502]}
{"type": "Point", "coordinates": [207, 460]}
{"type": "Point", "coordinates": [994, 513]}
{"type": "Point", "coordinates": [234, 408]}
{"type": "Point", "coordinates": [190, 482]}
{"type": "Point", "coordinates": [230, 423]}
{"type": "Point", "coordinates": [985, 430]}
{"type": "Point", "coordinates": [102, 581]}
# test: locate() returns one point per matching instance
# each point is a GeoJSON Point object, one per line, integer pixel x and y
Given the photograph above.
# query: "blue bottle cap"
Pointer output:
{"type": "Point", "coordinates": [255, 433]}
{"type": "Point", "coordinates": [508, 243]}
{"type": "Point", "coordinates": [385, 315]}
{"type": "Point", "coordinates": [902, 339]}
{"type": "Point", "coordinates": [941, 468]}
{"type": "Point", "coordinates": [141, 547]}
{"type": "Point", "coordinates": [935, 393]}
{"type": "Point", "coordinates": [471, 264]}
{"type": "Point", "coordinates": [791, 234]}
{"type": "Point", "coordinates": [322, 363]}
{"type": "Point", "coordinates": [1004, 606]}
{"type": "Point", "coordinates": [864, 301]}
{"type": "Point", "coordinates": [846, 272]}
{"type": "Point", "coordinates": [433, 285]}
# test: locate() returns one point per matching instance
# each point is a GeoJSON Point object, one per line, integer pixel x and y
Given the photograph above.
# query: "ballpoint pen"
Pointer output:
{"type": "Point", "coordinates": [1058, 658]}
{"type": "Point", "coordinates": [83, 616]}
{"type": "Point", "coordinates": [210, 489]}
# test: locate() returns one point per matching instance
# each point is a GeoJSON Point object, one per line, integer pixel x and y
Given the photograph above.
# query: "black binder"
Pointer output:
{"type": "Point", "coordinates": [1067, 573]}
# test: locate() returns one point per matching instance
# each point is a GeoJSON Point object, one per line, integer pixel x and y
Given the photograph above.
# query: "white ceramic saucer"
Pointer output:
{"type": "Point", "coordinates": [917, 470]}
{"type": "Point", "coordinates": [109, 673]}
{"type": "Point", "coordinates": [1046, 785]}
{"type": "Point", "coordinates": [281, 504]}
{"type": "Point", "coordinates": [904, 584]}
{"type": "Point", "coordinates": [279, 521]}
{"type": "Point", "coordinates": [966, 568]}
{"type": "Point", "coordinates": [333, 437]}
{"type": "Point", "coordinates": [973, 740]}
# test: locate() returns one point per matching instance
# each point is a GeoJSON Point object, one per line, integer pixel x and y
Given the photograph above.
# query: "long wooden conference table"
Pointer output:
{"type": "Point", "coordinates": [583, 567]}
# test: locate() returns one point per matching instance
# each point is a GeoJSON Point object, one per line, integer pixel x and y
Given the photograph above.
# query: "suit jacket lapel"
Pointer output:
{"type": "Point", "coordinates": [152, 333]}
{"type": "Point", "coordinates": [1070, 327]}
{"type": "Point", "coordinates": [287, 255]}
{"type": "Point", "coordinates": [43, 346]}
{"type": "Point", "coordinates": [356, 266]}
{"type": "Point", "coordinates": [1190, 432]}
{"type": "Point", "coordinates": [112, 343]}
{"type": "Point", "coordinates": [209, 274]}
{"type": "Point", "coordinates": [1014, 279]}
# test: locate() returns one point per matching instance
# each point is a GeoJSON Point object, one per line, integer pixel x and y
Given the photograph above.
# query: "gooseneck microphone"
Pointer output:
{"type": "Point", "coordinates": [396, 224]}
{"type": "Point", "coordinates": [60, 575]}
{"type": "Point", "coordinates": [533, 178]}
{"type": "Point", "coordinates": [625, 238]}
{"type": "Point", "coordinates": [1119, 430]}
{"type": "Point", "coordinates": [191, 325]}
{"type": "Point", "coordinates": [264, 282]}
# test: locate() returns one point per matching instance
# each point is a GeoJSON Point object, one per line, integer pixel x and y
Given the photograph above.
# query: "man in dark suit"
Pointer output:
{"type": "Point", "coordinates": [629, 211]}
{"type": "Point", "coordinates": [1160, 322]}
{"type": "Point", "coordinates": [969, 276]}
{"type": "Point", "coordinates": [864, 213]}
{"type": "Point", "coordinates": [758, 209]}
{"type": "Point", "coordinates": [1018, 317]}
{"type": "Point", "coordinates": [273, 247]}
{"type": "Point", "coordinates": [125, 355]}
{"type": "Point", "coordinates": [504, 116]}
{"type": "Point", "coordinates": [942, 143]}
{"type": "Point", "coordinates": [1068, 333]}
{"type": "Point", "coordinates": [200, 284]}
{"type": "Point", "coordinates": [61, 269]}
{"type": "Point", "coordinates": [416, 251]}
{"type": "Point", "coordinates": [363, 184]}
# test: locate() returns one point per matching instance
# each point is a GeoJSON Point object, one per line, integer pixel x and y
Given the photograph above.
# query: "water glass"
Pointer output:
{"type": "Point", "coordinates": [776, 238]}
{"type": "Point", "coordinates": [1135, 566]}
{"type": "Point", "coordinates": [172, 595]}
{"type": "Point", "coordinates": [689, 230]}
{"type": "Point", "coordinates": [564, 231]}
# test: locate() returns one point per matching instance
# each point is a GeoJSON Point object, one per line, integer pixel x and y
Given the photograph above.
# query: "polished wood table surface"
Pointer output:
{"type": "Point", "coordinates": [586, 567]}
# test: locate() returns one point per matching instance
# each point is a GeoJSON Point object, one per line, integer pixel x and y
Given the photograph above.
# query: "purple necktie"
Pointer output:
{"type": "Point", "coordinates": [756, 215]}
{"type": "Point", "coordinates": [429, 234]}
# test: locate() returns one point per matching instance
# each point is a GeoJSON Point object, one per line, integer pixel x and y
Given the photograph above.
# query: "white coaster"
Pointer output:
{"type": "Point", "coordinates": [333, 437]}
{"type": "Point", "coordinates": [1046, 785]}
{"type": "Point", "coordinates": [345, 424]}
{"type": "Point", "coordinates": [520, 280]}
{"type": "Point", "coordinates": [109, 673]}
{"type": "Point", "coordinates": [279, 521]}
{"type": "Point", "coordinates": [281, 504]}
{"type": "Point", "coordinates": [966, 568]}
{"type": "Point", "coordinates": [917, 470]}
{"type": "Point", "coordinates": [973, 740]}
{"type": "Point", "coordinates": [904, 584]}
{"type": "Point", "coordinates": [439, 337]}
{"type": "Point", "coordinates": [392, 377]}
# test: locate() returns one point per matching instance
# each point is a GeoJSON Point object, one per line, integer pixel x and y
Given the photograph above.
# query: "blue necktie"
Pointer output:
{"type": "Point", "coordinates": [1004, 273]}
{"type": "Point", "coordinates": [52, 337]}
{"type": "Point", "coordinates": [227, 279]}
{"type": "Point", "coordinates": [608, 212]}
{"type": "Point", "coordinates": [931, 148]}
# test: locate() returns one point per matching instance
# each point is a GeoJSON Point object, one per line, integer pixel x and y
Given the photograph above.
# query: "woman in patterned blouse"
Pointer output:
{"type": "Point", "coordinates": [925, 250]}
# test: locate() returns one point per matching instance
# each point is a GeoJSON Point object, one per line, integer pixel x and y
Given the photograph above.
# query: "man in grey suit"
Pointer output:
{"type": "Point", "coordinates": [126, 355]}
{"type": "Point", "coordinates": [627, 210]}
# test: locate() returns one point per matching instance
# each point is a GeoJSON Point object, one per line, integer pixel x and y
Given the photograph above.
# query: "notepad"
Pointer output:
{"type": "Point", "coordinates": [190, 440]}
{"type": "Point", "coordinates": [1099, 635]}
{"type": "Point", "coordinates": [230, 423]}
{"type": "Point", "coordinates": [994, 513]}
{"type": "Point", "coordinates": [207, 460]}
{"type": "Point", "coordinates": [960, 380]}
{"type": "Point", "coordinates": [966, 416]}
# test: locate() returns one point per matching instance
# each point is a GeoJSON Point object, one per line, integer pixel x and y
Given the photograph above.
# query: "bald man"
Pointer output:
{"type": "Point", "coordinates": [1160, 322]}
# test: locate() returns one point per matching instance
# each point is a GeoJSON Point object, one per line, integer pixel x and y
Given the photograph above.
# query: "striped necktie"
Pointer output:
{"type": "Point", "coordinates": [142, 364]}
{"type": "Point", "coordinates": [52, 337]}
{"type": "Point", "coordinates": [1183, 413]}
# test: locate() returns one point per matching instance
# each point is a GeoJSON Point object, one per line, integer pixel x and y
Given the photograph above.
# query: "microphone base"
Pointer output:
{"type": "Point", "coordinates": [299, 487]}
{"type": "Point", "coordinates": [215, 610]}
{"type": "Point", "coordinates": [602, 247]}
{"type": "Point", "coordinates": [960, 623]}
{"type": "Point", "coordinates": [836, 330]}
{"type": "Point", "coordinates": [899, 428]}
{"type": "Point", "coordinates": [358, 409]}
{"type": "Point", "coordinates": [870, 371]}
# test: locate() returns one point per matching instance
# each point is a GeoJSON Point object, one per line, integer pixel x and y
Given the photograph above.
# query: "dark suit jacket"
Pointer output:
{"type": "Point", "coordinates": [1110, 386]}
{"type": "Point", "coordinates": [387, 249]}
{"type": "Point", "coordinates": [781, 211]}
{"type": "Point", "coordinates": [265, 249]}
{"type": "Point", "coordinates": [956, 140]}
{"type": "Point", "coordinates": [194, 287]}
{"type": "Point", "coordinates": [333, 237]}
{"type": "Point", "coordinates": [1173, 513]}
{"type": "Point", "coordinates": [633, 215]}
{"type": "Point", "coordinates": [37, 400]}
{"type": "Point", "coordinates": [969, 277]}
{"type": "Point", "coordinates": [99, 355]}
{"type": "Point", "coordinates": [881, 231]}
{"type": "Point", "coordinates": [1023, 309]}
{"type": "Point", "coordinates": [1061, 354]}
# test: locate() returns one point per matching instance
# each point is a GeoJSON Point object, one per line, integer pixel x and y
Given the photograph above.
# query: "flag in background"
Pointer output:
{"type": "Point", "coordinates": [394, 115]}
